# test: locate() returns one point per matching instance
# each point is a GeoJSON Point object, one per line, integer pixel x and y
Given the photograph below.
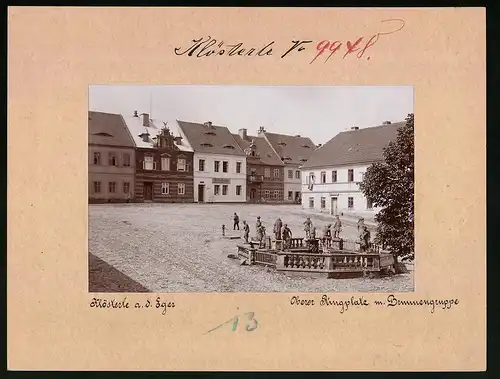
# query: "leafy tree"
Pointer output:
{"type": "Point", "coordinates": [390, 185]}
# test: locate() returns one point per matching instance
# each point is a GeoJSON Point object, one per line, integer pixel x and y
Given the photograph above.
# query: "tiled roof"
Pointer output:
{"type": "Point", "coordinates": [354, 147]}
{"type": "Point", "coordinates": [266, 155]}
{"type": "Point", "coordinates": [108, 129]}
{"type": "Point", "coordinates": [292, 149]}
{"type": "Point", "coordinates": [210, 139]}
{"type": "Point", "coordinates": [137, 129]}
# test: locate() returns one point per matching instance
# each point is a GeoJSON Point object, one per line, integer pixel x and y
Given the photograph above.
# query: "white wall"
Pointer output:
{"type": "Point", "coordinates": [205, 177]}
{"type": "Point", "coordinates": [342, 189]}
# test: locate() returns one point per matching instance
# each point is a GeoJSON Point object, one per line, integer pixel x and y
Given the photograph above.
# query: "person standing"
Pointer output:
{"type": "Point", "coordinates": [236, 220]}
{"type": "Point", "coordinates": [246, 231]}
{"type": "Point", "coordinates": [337, 227]}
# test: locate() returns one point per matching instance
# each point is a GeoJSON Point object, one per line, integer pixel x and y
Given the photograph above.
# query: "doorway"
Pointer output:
{"type": "Point", "coordinates": [253, 192]}
{"type": "Point", "coordinates": [333, 209]}
{"type": "Point", "coordinates": [201, 193]}
{"type": "Point", "coordinates": [148, 191]}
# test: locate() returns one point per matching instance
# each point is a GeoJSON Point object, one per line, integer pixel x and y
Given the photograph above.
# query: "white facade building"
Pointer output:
{"type": "Point", "coordinates": [335, 190]}
{"type": "Point", "coordinates": [331, 177]}
{"type": "Point", "coordinates": [219, 170]}
{"type": "Point", "coordinates": [219, 178]}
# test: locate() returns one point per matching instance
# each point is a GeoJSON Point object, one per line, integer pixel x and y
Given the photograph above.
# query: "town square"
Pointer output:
{"type": "Point", "coordinates": [182, 204]}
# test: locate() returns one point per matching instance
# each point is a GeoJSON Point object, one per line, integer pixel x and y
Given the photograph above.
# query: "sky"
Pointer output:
{"type": "Point", "coordinates": [316, 112]}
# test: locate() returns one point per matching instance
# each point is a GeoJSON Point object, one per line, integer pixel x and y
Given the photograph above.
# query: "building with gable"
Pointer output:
{"type": "Point", "coordinates": [331, 176]}
{"type": "Point", "coordinates": [265, 170]}
{"type": "Point", "coordinates": [219, 163]}
{"type": "Point", "coordinates": [111, 159]}
{"type": "Point", "coordinates": [164, 162]}
{"type": "Point", "coordinates": [293, 151]}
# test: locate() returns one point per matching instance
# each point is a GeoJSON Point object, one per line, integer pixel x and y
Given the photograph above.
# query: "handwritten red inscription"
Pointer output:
{"type": "Point", "coordinates": [358, 46]}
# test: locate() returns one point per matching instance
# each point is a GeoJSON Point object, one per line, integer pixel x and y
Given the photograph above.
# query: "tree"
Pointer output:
{"type": "Point", "coordinates": [390, 185]}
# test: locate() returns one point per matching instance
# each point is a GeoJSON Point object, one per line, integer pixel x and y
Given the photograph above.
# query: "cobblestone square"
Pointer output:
{"type": "Point", "coordinates": [179, 248]}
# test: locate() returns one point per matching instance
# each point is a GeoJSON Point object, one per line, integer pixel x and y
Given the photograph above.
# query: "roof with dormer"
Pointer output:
{"type": "Point", "coordinates": [211, 139]}
{"type": "Point", "coordinates": [265, 153]}
{"type": "Point", "coordinates": [294, 150]}
{"type": "Point", "coordinates": [108, 129]}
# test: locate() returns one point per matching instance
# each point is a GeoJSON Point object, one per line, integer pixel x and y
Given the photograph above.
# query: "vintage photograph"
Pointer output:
{"type": "Point", "coordinates": [250, 188]}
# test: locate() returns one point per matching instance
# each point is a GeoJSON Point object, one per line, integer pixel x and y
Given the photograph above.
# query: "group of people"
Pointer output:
{"type": "Point", "coordinates": [282, 231]}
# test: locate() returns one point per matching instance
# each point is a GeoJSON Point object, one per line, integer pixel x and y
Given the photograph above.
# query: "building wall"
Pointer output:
{"type": "Point", "coordinates": [160, 178]}
{"type": "Point", "coordinates": [209, 178]}
{"type": "Point", "coordinates": [293, 184]}
{"type": "Point", "coordinates": [342, 190]}
{"type": "Point", "coordinates": [271, 188]}
{"type": "Point", "coordinates": [104, 173]}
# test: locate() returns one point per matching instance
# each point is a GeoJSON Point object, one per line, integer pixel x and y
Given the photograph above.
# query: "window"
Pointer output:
{"type": "Point", "coordinates": [276, 194]}
{"type": "Point", "coordinates": [181, 189]}
{"type": "Point", "coordinates": [323, 202]}
{"type": "Point", "coordinates": [297, 174]}
{"type": "Point", "coordinates": [126, 187]}
{"type": "Point", "coordinates": [350, 175]}
{"type": "Point", "coordinates": [334, 176]}
{"type": "Point", "coordinates": [181, 164]}
{"type": "Point", "coordinates": [112, 187]}
{"type": "Point", "coordinates": [217, 189]}
{"type": "Point", "coordinates": [238, 190]}
{"type": "Point", "coordinates": [362, 174]}
{"type": "Point", "coordinates": [276, 173]}
{"type": "Point", "coordinates": [97, 187]}
{"type": "Point", "coordinates": [126, 160]}
{"type": "Point", "coordinates": [350, 202]}
{"type": "Point", "coordinates": [267, 194]}
{"type": "Point", "coordinates": [290, 174]}
{"type": "Point", "coordinates": [201, 165]}
{"type": "Point", "coordinates": [224, 189]}
{"type": "Point", "coordinates": [216, 166]}
{"type": "Point", "coordinates": [267, 172]}
{"type": "Point", "coordinates": [238, 167]}
{"type": "Point", "coordinates": [311, 202]}
{"type": "Point", "coordinates": [148, 163]}
{"type": "Point", "coordinates": [112, 159]}
{"type": "Point", "coordinates": [369, 204]}
{"type": "Point", "coordinates": [323, 177]}
{"type": "Point", "coordinates": [165, 189]}
{"type": "Point", "coordinates": [225, 165]}
{"type": "Point", "coordinates": [290, 195]}
{"type": "Point", "coordinates": [97, 158]}
{"type": "Point", "coordinates": [165, 164]}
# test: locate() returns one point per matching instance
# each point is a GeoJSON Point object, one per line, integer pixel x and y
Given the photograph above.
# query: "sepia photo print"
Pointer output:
{"type": "Point", "coordinates": [250, 189]}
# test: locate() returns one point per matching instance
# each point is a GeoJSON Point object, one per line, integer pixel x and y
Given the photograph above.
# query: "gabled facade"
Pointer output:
{"type": "Point", "coordinates": [265, 170]}
{"type": "Point", "coordinates": [219, 163]}
{"type": "Point", "coordinates": [164, 163]}
{"type": "Point", "coordinates": [331, 176]}
{"type": "Point", "coordinates": [293, 151]}
{"type": "Point", "coordinates": [111, 159]}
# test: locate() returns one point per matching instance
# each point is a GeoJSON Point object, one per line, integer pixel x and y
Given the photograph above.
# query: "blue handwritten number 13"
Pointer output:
{"type": "Point", "coordinates": [251, 325]}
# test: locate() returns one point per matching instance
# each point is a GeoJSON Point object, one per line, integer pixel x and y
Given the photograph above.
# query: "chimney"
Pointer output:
{"type": "Point", "coordinates": [319, 145]}
{"type": "Point", "coordinates": [297, 135]}
{"type": "Point", "coordinates": [208, 124]}
{"type": "Point", "coordinates": [386, 123]}
{"type": "Point", "coordinates": [144, 136]}
{"type": "Point", "coordinates": [135, 114]}
{"type": "Point", "coordinates": [261, 130]}
{"type": "Point", "coordinates": [145, 119]}
{"type": "Point", "coordinates": [243, 134]}
{"type": "Point", "coordinates": [178, 140]}
{"type": "Point", "coordinates": [355, 128]}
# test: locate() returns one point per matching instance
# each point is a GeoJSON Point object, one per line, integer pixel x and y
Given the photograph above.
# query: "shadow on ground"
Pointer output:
{"type": "Point", "coordinates": [106, 278]}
